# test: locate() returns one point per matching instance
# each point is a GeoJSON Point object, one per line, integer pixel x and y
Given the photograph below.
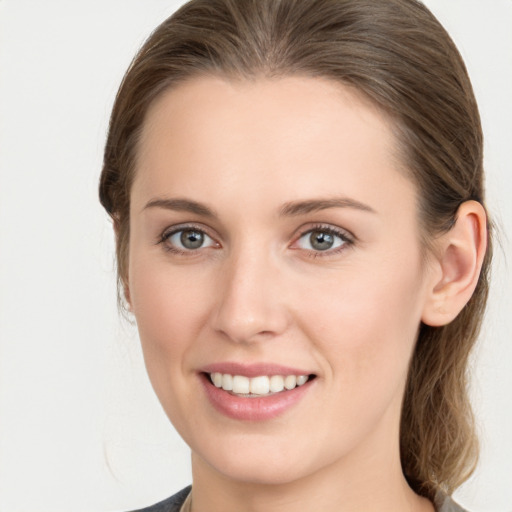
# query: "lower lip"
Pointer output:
{"type": "Point", "coordinates": [253, 409]}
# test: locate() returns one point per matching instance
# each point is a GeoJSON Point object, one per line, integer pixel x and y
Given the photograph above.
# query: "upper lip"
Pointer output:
{"type": "Point", "coordinates": [252, 370]}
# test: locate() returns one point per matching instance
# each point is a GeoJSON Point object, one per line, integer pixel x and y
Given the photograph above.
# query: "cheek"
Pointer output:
{"type": "Point", "coordinates": [366, 323]}
{"type": "Point", "coordinates": [170, 307]}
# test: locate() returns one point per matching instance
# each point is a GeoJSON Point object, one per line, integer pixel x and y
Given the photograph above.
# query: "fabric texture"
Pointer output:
{"type": "Point", "coordinates": [174, 503]}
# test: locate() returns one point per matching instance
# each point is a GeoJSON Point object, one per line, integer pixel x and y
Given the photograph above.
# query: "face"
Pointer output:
{"type": "Point", "coordinates": [273, 241]}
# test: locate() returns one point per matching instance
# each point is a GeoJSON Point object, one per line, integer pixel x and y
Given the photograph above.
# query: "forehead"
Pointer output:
{"type": "Point", "coordinates": [293, 137]}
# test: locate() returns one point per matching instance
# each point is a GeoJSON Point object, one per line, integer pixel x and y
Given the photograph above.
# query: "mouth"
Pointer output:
{"type": "Point", "coordinates": [259, 386]}
{"type": "Point", "coordinates": [257, 392]}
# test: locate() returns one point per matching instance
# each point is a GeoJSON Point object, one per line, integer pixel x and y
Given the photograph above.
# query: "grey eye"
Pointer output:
{"type": "Point", "coordinates": [320, 240]}
{"type": "Point", "coordinates": [190, 239]}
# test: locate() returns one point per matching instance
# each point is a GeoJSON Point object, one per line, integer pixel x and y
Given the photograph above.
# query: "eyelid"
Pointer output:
{"type": "Point", "coordinates": [166, 234]}
{"type": "Point", "coordinates": [345, 235]}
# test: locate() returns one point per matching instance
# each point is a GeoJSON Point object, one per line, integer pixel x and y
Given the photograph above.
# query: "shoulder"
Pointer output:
{"type": "Point", "coordinates": [172, 504]}
{"type": "Point", "coordinates": [446, 504]}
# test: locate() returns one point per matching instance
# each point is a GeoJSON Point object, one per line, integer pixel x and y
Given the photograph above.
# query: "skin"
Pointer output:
{"type": "Point", "coordinates": [256, 291]}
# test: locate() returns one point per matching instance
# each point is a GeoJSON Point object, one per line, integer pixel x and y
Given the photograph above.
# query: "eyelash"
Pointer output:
{"type": "Point", "coordinates": [168, 233]}
{"type": "Point", "coordinates": [343, 235]}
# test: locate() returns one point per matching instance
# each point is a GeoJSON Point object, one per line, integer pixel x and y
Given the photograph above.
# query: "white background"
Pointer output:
{"type": "Point", "coordinates": [80, 429]}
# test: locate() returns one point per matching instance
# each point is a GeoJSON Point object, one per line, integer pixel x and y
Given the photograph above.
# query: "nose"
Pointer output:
{"type": "Point", "coordinates": [250, 303]}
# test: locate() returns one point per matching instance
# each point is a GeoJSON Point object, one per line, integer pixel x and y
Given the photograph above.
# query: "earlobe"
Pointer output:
{"type": "Point", "coordinates": [127, 298]}
{"type": "Point", "coordinates": [458, 261]}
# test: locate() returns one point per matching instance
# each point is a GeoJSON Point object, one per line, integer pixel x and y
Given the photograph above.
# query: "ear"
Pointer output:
{"type": "Point", "coordinates": [123, 281]}
{"type": "Point", "coordinates": [457, 264]}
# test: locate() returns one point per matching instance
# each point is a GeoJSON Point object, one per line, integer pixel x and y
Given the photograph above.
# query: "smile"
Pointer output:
{"type": "Point", "coordinates": [257, 392]}
{"type": "Point", "coordinates": [259, 386]}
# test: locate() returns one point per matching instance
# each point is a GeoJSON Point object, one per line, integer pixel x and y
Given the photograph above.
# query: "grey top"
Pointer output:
{"type": "Point", "coordinates": [173, 504]}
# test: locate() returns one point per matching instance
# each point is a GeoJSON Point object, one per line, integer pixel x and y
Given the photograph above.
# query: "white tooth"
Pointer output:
{"type": "Point", "coordinates": [276, 383]}
{"type": "Point", "coordinates": [302, 379]}
{"type": "Point", "coordinates": [260, 385]}
{"type": "Point", "coordinates": [290, 381]}
{"type": "Point", "coordinates": [241, 385]}
{"type": "Point", "coordinates": [217, 379]}
{"type": "Point", "coordinates": [227, 382]}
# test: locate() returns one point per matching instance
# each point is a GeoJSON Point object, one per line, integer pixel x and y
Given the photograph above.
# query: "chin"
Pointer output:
{"type": "Point", "coordinates": [257, 473]}
{"type": "Point", "coordinates": [262, 460]}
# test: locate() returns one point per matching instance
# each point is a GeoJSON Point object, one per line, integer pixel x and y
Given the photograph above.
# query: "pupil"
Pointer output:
{"type": "Point", "coordinates": [321, 241]}
{"type": "Point", "coordinates": [192, 239]}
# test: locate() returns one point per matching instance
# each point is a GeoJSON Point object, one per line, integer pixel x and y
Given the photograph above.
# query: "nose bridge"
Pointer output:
{"type": "Point", "coordinates": [248, 305]}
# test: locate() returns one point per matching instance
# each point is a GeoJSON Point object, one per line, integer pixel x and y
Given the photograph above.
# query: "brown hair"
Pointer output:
{"type": "Point", "coordinates": [398, 55]}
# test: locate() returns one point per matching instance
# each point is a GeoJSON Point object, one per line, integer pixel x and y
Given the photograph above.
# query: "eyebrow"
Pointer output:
{"type": "Point", "coordinates": [181, 205]}
{"type": "Point", "coordinates": [315, 205]}
{"type": "Point", "coordinates": [291, 209]}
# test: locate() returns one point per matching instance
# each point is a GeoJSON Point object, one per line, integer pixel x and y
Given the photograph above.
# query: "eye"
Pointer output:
{"type": "Point", "coordinates": [322, 239]}
{"type": "Point", "coordinates": [187, 239]}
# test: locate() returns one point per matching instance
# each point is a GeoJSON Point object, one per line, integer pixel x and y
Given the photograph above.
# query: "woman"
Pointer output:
{"type": "Point", "coordinates": [297, 193]}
